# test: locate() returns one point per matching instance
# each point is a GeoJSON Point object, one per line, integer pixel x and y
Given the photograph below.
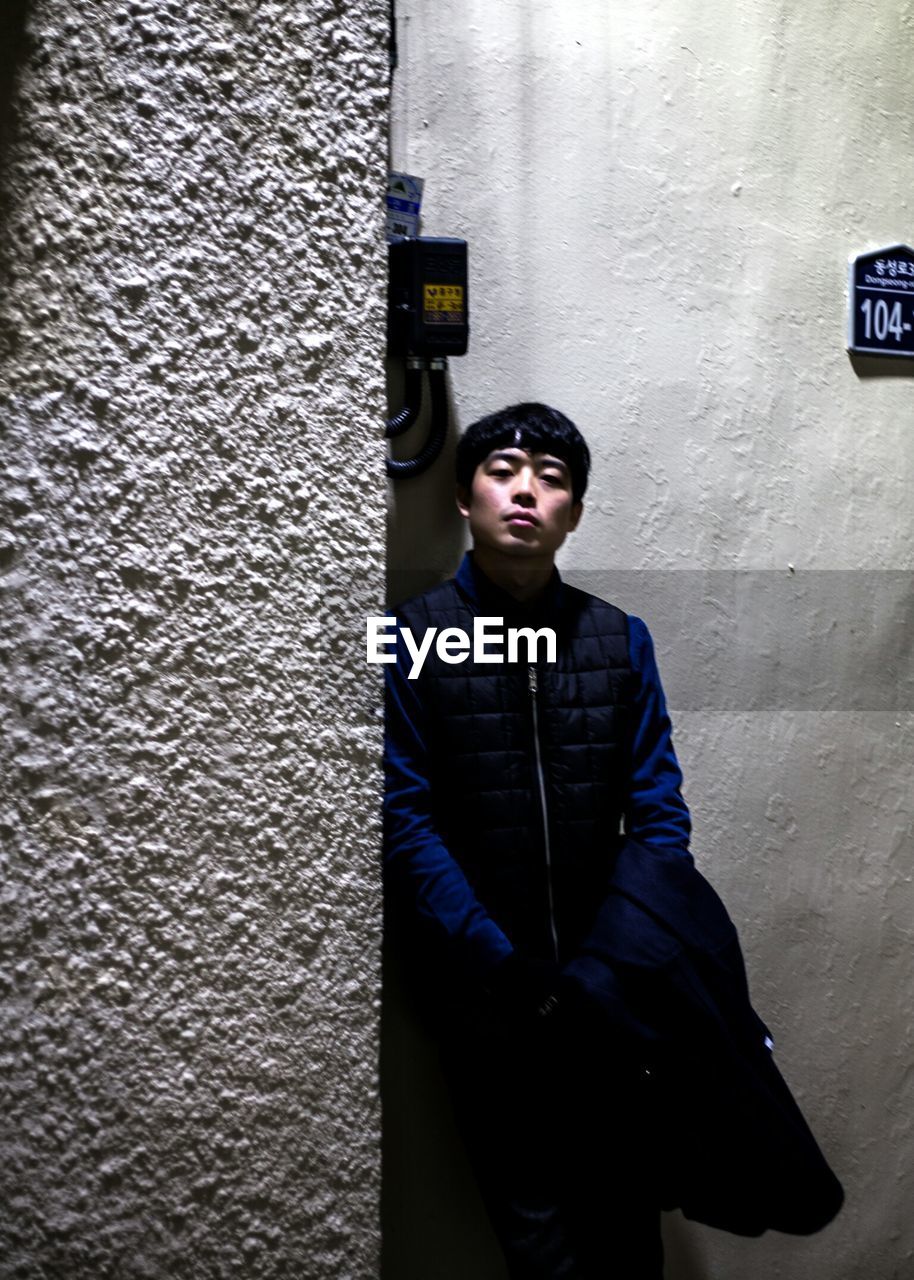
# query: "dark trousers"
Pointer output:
{"type": "Point", "coordinates": [547, 1113]}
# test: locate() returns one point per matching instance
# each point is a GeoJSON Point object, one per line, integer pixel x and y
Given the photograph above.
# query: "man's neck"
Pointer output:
{"type": "Point", "coordinates": [523, 579]}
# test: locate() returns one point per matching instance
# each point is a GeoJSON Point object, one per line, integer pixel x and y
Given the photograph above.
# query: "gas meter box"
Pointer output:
{"type": "Point", "coordinates": [427, 300]}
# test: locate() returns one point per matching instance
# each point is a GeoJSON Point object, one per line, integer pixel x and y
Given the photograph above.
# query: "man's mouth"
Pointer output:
{"type": "Point", "coordinates": [522, 517]}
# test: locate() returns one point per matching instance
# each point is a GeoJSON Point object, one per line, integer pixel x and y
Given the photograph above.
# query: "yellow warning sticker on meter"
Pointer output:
{"type": "Point", "coordinates": [443, 303]}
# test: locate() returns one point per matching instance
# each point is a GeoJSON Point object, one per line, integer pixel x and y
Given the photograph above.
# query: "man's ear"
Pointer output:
{"type": "Point", "coordinates": [463, 501]}
{"type": "Point", "coordinates": [576, 512]}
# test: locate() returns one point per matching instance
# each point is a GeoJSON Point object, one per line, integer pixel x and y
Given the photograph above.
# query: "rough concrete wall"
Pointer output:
{"type": "Point", "coordinates": [660, 200]}
{"type": "Point", "coordinates": [192, 269]}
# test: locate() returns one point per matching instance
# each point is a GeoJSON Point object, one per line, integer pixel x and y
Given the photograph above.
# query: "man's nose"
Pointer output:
{"type": "Point", "coordinates": [523, 487]}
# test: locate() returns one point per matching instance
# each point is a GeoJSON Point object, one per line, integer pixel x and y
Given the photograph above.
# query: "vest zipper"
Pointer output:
{"type": "Point", "coordinates": [541, 781]}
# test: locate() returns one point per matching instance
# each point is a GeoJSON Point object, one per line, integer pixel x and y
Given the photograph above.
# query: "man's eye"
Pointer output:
{"type": "Point", "coordinates": [552, 477]}
{"type": "Point", "coordinates": [501, 474]}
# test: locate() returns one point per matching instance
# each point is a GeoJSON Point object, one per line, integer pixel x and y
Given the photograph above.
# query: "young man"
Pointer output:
{"type": "Point", "coordinates": [508, 787]}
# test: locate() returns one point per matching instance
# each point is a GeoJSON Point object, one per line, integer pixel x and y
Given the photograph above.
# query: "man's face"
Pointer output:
{"type": "Point", "coordinates": [520, 503]}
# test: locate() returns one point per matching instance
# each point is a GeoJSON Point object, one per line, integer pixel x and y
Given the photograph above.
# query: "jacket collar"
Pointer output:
{"type": "Point", "coordinates": [487, 599]}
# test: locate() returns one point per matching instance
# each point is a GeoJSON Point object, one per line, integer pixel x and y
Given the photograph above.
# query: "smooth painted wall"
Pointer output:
{"type": "Point", "coordinates": [660, 201]}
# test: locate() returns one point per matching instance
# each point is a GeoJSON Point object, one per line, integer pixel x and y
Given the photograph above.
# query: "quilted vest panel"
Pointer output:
{"type": "Point", "coordinates": [538, 856]}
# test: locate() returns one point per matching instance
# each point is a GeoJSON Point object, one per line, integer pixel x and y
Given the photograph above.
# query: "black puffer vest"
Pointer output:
{"type": "Point", "coordinates": [529, 764]}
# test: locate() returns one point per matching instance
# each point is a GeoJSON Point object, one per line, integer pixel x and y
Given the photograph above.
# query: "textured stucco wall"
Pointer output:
{"type": "Point", "coordinates": [191, 300]}
{"type": "Point", "coordinates": [660, 200]}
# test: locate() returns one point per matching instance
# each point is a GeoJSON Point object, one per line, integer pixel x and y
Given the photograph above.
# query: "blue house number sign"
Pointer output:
{"type": "Point", "coordinates": [881, 303]}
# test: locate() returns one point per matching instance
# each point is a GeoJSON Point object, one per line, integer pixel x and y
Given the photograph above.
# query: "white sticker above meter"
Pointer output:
{"type": "Point", "coordinates": [404, 201]}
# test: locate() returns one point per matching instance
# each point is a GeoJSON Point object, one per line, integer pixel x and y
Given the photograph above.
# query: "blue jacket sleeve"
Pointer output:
{"type": "Point", "coordinates": [419, 870]}
{"type": "Point", "coordinates": [655, 813]}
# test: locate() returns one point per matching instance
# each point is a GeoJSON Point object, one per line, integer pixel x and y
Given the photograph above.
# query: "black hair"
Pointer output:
{"type": "Point", "coordinates": [535, 427]}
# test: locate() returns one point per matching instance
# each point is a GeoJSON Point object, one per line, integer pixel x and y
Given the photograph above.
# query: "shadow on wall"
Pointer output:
{"type": "Point", "coordinates": [13, 47]}
{"type": "Point", "coordinates": [433, 1224]}
{"type": "Point", "coordinates": [876, 367]}
{"type": "Point", "coordinates": [12, 50]}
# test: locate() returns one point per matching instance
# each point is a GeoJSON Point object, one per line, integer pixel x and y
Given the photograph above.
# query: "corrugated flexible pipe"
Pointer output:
{"type": "Point", "coordinates": [403, 468]}
{"type": "Point", "coordinates": [412, 399]}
